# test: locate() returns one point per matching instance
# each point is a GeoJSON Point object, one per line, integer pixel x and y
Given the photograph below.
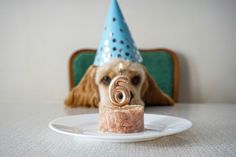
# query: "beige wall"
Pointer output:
{"type": "Point", "coordinates": [38, 36]}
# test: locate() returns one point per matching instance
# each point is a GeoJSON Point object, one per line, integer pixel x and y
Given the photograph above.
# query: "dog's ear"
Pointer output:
{"type": "Point", "coordinates": [86, 92]}
{"type": "Point", "coordinates": [152, 94]}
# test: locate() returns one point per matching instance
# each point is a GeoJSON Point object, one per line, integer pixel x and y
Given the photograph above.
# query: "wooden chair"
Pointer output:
{"type": "Point", "coordinates": [161, 63]}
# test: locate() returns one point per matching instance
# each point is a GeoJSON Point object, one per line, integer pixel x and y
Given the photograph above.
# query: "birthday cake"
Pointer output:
{"type": "Point", "coordinates": [126, 119]}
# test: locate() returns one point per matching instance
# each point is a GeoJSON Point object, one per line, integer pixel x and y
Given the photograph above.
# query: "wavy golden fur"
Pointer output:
{"type": "Point", "coordinates": [86, 92]}
{"type": "Point", "coordinates": [152, 94]}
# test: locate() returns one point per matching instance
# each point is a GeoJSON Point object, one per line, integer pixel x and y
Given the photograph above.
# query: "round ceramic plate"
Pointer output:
{"type": "Point", "coordinates": [86, 126]}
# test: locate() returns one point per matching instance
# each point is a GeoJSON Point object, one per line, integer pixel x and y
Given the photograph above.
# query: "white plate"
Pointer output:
{"type": "Point", "coordinates": [86, 126]}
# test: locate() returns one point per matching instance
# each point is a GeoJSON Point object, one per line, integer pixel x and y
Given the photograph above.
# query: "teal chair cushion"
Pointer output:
{"type": "Point", "coordinates": [160, 65]}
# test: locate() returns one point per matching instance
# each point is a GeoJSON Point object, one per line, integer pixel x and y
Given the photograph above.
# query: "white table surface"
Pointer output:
{"type": "Point", "coordinates": [24, 132]}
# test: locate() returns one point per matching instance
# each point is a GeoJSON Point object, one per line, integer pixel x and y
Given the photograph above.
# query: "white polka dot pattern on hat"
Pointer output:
{"type": "Point", "coordinates": [117, 41]}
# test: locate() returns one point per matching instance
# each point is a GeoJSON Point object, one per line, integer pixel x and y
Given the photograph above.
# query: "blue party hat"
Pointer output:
{"type": "Point", "coordinates": [117, 41]}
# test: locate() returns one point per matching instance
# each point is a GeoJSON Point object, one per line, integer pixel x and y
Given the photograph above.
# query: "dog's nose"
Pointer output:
{"type": "Point", "coordinates": [132, 95]}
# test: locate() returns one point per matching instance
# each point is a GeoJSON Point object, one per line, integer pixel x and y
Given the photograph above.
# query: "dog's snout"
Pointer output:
{"type": "Point", "coordinates": [132, 95]}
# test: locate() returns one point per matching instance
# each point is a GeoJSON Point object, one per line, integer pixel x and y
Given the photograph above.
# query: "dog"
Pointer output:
{"type": "Point", "coordinates": [92, 91]}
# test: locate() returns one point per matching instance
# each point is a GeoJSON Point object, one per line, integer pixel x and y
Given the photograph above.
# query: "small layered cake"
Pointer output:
{"type": "Point", "coordinates": [125, 119]}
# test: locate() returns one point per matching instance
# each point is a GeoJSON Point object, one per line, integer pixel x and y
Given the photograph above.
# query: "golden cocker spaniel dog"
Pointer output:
{"type": "Point", "coordinates": [92, 91]}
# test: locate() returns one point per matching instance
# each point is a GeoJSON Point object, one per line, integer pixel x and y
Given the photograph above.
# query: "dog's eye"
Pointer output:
{"type": "Point", "coordinates": [106, 80]}
{"type": "Point", "coordinates": [135, 80]}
